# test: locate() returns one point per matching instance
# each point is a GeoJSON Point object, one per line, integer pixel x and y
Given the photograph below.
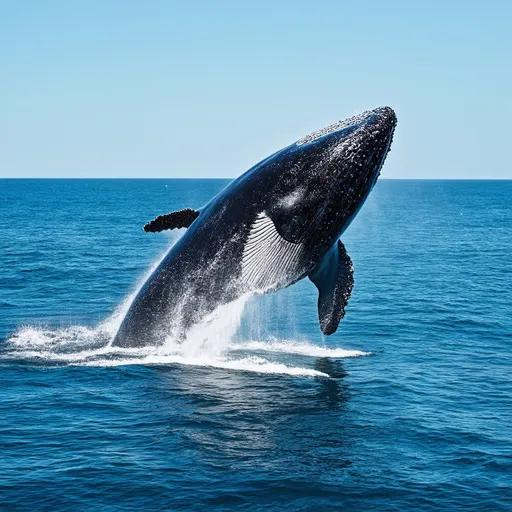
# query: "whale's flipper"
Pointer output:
{"type": "Point", "coordinates": [174, 220]}
{"type": "Point", "coordinates": [268, 259]}
{"type": "Point", "coordinates": [334, 277]}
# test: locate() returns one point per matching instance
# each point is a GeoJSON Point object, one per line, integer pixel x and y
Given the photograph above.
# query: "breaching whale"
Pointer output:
{"type": "Point", "coordinates": [276, 224]}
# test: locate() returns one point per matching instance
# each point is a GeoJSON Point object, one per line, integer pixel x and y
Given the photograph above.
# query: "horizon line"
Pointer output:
{"type": "Point", "coordinates": [222, 178]}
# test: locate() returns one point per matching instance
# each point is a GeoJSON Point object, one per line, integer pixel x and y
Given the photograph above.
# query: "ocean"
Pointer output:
{"type": "Point", "coordinates": [407, 407]}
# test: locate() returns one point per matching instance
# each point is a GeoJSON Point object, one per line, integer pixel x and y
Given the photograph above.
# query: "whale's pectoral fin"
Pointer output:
{"type": "Point", "coordinates": [334, 277]}
{"type": "Point", "coordinates": [268, 259]}
{"type": "Point", "coordinates": [174, 220]}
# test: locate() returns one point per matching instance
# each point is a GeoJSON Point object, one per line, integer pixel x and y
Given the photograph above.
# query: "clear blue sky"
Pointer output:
{"type": "Point", "coordinates": [125, 88]}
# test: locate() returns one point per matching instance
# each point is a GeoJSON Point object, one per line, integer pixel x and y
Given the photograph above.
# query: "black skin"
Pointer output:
{"type": "Point", "coordinates": [311, 190]}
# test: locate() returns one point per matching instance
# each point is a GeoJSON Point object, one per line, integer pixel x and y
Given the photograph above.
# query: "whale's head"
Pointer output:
{"type": "Point", "coordinates": [327, 176]}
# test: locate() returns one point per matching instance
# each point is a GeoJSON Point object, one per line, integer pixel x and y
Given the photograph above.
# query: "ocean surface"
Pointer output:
{"type": "Point", "coordinates": [407, 407]}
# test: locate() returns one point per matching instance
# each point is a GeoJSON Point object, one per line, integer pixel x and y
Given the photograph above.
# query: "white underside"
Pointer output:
{"type": "Point", "coordinates": [269, 261]}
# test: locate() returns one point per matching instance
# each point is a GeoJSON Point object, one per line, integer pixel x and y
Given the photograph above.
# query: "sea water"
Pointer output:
{"type": "Point", "coordinates": [407, 407]}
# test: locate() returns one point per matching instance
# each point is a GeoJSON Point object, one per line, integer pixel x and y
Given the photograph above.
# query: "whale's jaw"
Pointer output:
{"type": "Point", "coordinates": [353, 153]}
{"type": "Point", "coordinates": [360, 158]}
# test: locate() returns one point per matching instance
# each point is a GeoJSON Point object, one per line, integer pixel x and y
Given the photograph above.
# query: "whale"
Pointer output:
{"type": "Point", "coordinates": [278, 223]}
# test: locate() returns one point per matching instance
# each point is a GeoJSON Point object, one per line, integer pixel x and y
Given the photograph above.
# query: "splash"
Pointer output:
{"type": "Point", "coordinates": [213, 334]}
{"type": "Point", "coordinates": [248, 364]}
{"type": "Point", "coordinates": [210, 343]}
{"type": "Point", "coordinates": [298, 348]}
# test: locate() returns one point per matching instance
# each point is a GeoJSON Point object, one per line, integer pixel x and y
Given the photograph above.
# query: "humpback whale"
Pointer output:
{"type": "Point", "coordinates": [276, 224]}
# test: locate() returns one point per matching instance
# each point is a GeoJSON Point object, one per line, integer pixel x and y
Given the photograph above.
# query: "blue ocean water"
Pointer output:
{"type": "Point", "coordinates": [407, 407]}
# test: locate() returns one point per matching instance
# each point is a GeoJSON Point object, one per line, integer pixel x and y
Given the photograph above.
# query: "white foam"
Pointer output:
{"type": "Point", "coordinates": [75, 337]}
{"type": "Point", "coordinates": [295, 347]}
{"type": "Point", "coordinates": [249, 364]}
{"type": "Point", "coordinates": [81, 346]}
{"type": "Point", "coordinates": [54, 347]}
{"type": "Point", "coordinates": [213, 334]}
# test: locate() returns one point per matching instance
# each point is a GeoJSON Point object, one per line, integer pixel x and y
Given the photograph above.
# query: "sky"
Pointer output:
{"type": "Point", "coordinates": [207, 89]}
